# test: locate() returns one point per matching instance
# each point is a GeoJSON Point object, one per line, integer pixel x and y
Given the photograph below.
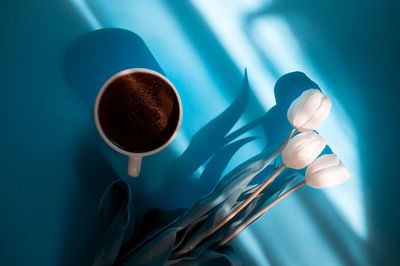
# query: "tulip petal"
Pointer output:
{"type": "Point", "coordinates": [314, 148]}
{"type": "Point", "coordinates": [326, 171]}
{"type": "Point", "coordinates": [325, 161]}
{"type": "Point", "coordinates": [303, 149]}
{"type": "Point", "coordinates": [320, 115]}
{"type": "Point", "coordinates": [296, 105]}
{"type": "Point", "coordinates": [309, 106]}
{"type": "Point", "coordinates": [304, 107]}
{"type": "Point", "coordinates": [328, 177]}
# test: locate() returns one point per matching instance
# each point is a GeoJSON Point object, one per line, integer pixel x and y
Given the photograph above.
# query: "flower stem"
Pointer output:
{"type": "Point", "coordinates": [248, 200]}
{"type": "Point", "coordinates": [252, 196]}
{"type": "Point", "coordinates": [260, 213]}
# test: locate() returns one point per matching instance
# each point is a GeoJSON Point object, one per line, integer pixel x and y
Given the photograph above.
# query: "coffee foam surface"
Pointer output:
{"type": "Point", "coordinates": [139, 112]}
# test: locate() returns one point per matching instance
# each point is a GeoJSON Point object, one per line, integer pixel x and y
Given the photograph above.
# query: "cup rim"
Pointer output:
{"type": "Point", "coordinates": [97, 120]}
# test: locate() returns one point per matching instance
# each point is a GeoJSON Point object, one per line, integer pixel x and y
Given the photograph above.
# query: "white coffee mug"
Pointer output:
{"type": "Point", "coordinates": [135, 158]}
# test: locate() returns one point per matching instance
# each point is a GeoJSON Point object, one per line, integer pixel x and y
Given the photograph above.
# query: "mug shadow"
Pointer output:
{"type": "Point", "coordinates": [94, 57]}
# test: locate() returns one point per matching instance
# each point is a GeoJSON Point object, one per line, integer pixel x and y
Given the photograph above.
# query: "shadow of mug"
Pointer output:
{"type": "Point", "coordinates": [94, 57]}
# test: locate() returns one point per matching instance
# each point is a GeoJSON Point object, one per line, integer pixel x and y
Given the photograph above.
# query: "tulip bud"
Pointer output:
{"type": "Point", "coordinates": [326, 171]}
{"type": "Point", "coordinates": [302, 149]}
{"type": "Point", "coordinates": [309, 110]}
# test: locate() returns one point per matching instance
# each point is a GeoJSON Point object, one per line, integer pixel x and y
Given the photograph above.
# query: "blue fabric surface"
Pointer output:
{"type": "Point", "coordinates": [55, 166]}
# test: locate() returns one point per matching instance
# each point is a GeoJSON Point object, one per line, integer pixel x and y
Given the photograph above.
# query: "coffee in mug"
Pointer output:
{"type": "Point", "coordinates": [138, 112]}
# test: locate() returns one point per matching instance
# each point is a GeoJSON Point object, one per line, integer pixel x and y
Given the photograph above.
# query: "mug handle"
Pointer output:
{"type": "Point", "coordinates": [134, 166]}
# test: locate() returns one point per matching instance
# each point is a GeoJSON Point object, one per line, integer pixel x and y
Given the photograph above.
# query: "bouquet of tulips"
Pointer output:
{"type": "Point", "coordinates": [202, 233]}
{"type": "Point", "coordinates": [305, 114]}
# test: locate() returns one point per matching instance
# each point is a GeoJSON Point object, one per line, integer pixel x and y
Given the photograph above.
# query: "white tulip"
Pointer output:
{"type": "Point", "coordinates": [326, 171]}
{"type": "Point", "coordinates": [309, 110]}
{"type": "Point", "coordinates": [302, 149]}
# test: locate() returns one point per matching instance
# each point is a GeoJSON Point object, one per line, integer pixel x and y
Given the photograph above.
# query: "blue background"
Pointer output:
{"type": "Point", "coordinates": [54, 166]}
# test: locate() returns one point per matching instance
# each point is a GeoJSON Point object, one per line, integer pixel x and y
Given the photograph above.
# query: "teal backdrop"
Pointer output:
{"type": "Point", "coordinates": [55, 55]}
